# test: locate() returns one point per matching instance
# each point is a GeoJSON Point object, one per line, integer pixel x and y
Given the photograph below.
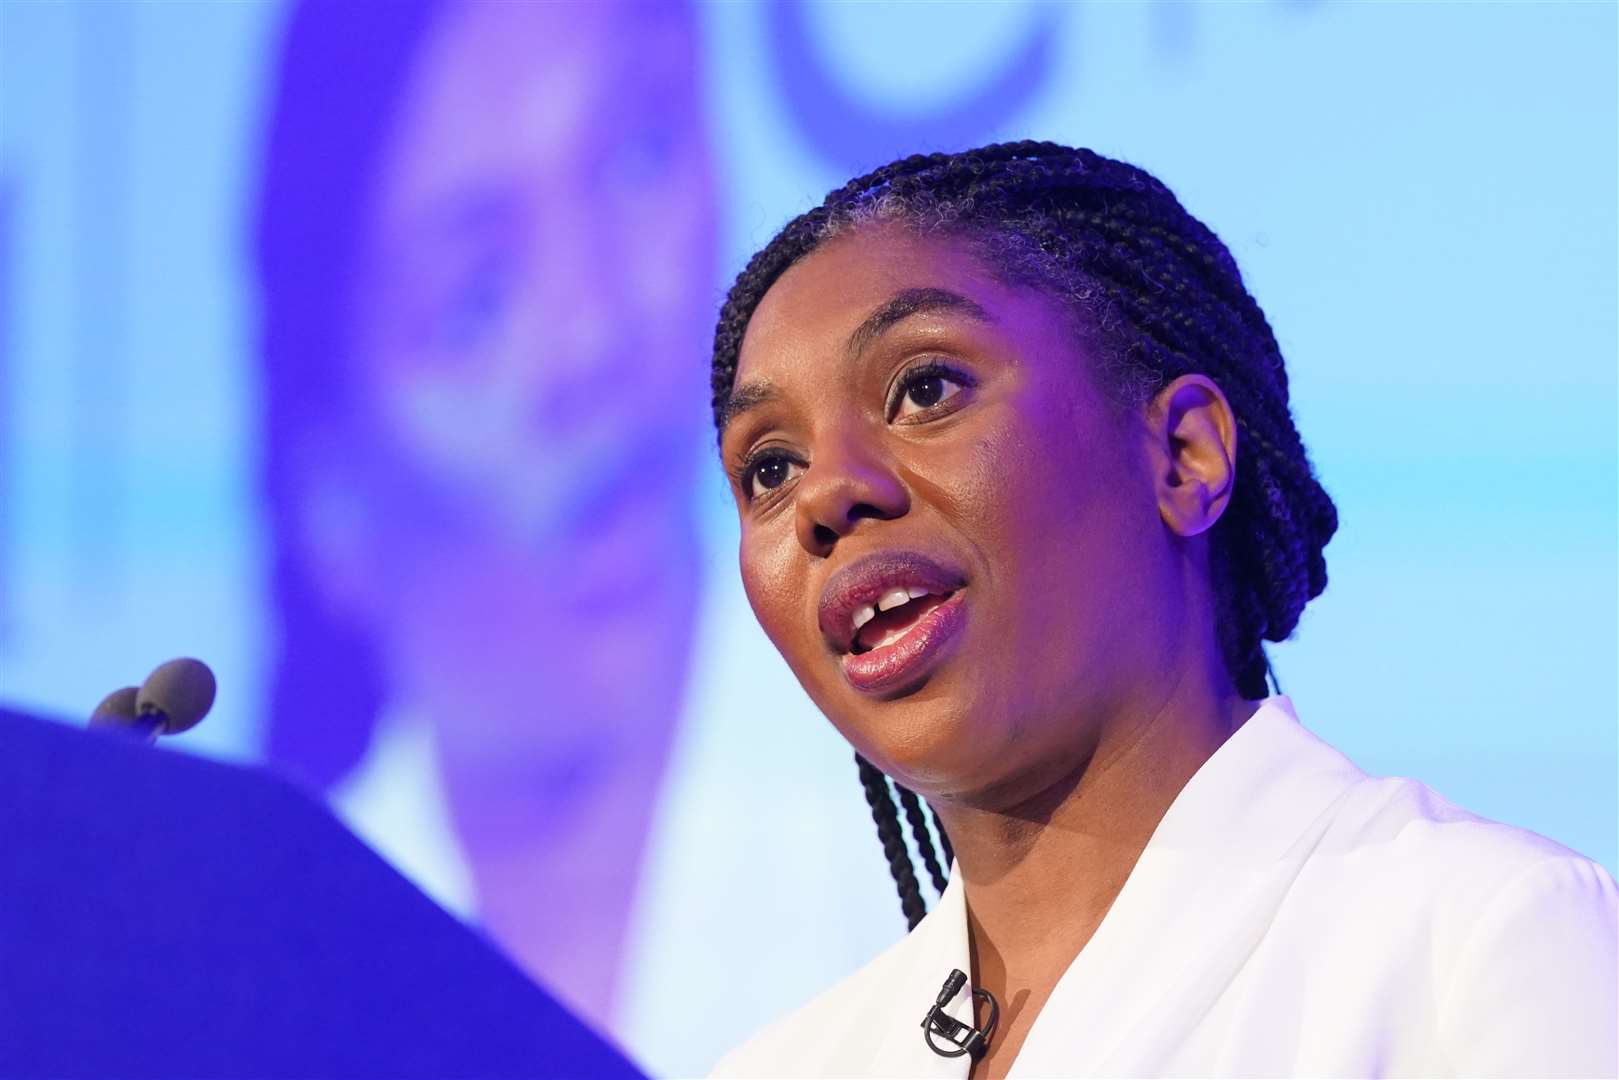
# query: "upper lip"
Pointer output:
{"type": "Point", "coordinates": [866, 579]}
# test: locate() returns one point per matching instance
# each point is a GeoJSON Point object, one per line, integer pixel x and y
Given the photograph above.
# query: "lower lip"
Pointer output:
{"type": "Point", "coordinates": [893, 666]}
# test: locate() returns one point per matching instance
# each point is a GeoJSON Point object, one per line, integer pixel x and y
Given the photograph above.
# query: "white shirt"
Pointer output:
{"type": "Point", "coordinates": [1291, 916]}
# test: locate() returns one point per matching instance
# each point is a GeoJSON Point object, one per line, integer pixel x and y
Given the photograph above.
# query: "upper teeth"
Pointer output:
{"type": "Point", "coordinates": [893, 598]}
{"type": "Point", "coordinates": [889, 600]}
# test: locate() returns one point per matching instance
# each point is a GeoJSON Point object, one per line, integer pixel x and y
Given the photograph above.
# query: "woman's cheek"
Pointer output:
{"type": "Point", "coordinates": [771, 580]}
{"type": "Point", "coordinates": [987, 476]}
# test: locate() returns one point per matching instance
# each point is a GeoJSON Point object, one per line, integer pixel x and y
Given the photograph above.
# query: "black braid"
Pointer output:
{"type": "Point", "coordinates": [881, 801]}
{"type": "Point", "coordinates": [944, 841]}
{"type": "Point", "coordinates": [919, 829]}
{"type": "Point", "coordinates": [1163, 297]}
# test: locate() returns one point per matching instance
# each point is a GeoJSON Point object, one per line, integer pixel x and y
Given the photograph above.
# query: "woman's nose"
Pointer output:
{"type": "Point", "coordinates": [845, 483]}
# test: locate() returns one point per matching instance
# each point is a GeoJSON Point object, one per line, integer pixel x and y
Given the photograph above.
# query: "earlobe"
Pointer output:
{"type": "Point", "coordinates": [1194, 435]}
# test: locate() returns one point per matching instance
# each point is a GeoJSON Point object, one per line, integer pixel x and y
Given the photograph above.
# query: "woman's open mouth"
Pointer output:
{"type": "Point", "coordinates": [889, 616]}
{"type": "Point", "coordinates": [896, 645]}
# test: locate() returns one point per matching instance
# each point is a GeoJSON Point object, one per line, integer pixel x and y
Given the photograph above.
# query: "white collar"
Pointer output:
{"type": "Point", "coordinates": [1250, 807]}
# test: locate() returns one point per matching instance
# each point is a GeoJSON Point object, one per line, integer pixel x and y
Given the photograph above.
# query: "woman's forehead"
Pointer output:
{"type": "Point", "coordinates": [824, 298]}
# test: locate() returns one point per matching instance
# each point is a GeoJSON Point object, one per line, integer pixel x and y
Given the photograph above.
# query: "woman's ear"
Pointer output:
{"type": "Point", "coordinates": [1193, 438]}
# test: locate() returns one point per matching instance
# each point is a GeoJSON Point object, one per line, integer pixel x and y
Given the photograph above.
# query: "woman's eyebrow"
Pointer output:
{"type": "Point", "coordinates": [903, 305]}
{"type": "Point", "coordinates": [747, 396]}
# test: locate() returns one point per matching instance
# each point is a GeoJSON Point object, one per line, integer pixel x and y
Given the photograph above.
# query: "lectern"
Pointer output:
{"type": "Point", "coordinates": [167, 916]}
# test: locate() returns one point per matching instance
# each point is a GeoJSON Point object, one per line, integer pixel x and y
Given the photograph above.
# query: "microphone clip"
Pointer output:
{"type": "Point", "coordinates": [963, 1038]}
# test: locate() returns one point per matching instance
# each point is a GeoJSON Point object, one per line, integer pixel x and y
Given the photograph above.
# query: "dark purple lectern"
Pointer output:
{"type": "Point", "coordinates": [165, 916]}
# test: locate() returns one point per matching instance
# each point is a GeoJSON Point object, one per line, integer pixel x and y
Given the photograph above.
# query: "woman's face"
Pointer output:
{"type": "Point", "coordinates": [909, 430]}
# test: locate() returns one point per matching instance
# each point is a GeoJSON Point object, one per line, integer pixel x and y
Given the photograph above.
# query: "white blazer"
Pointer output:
{"type": "Point", "coordinates": [1291, 916]}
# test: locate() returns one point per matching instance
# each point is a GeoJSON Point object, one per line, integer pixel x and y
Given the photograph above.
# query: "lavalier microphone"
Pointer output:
{"type": "Point", "coordinates": [963, 1038]}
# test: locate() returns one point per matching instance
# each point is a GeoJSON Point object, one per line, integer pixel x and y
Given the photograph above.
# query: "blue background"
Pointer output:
{"type": "Point", "coordinates": [1422, 197]}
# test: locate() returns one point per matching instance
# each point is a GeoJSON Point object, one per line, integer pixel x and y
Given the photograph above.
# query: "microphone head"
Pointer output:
{"type": "Point", "coordinates": [181, 691]}
{"type": "Point", "coordinates": [117, 709]}
{"type": "Point", "coordinates": [952, 986]}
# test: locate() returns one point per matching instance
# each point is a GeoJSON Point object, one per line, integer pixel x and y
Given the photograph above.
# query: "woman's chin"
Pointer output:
{"type": "Point", "coordinates": [933, 747]}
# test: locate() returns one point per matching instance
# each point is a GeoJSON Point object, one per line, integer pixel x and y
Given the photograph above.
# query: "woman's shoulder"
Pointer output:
{"type": "Point", "coordinates": [1395, 851]}
{"type": "Point", "coordinates": [1342, 818]}
{"type": "Point", "coordinates": [1411, 832]}
{"type": "Point", "coordinates": [1524, 932]}
{"type": "Point", "coordinates": [1519, 934]}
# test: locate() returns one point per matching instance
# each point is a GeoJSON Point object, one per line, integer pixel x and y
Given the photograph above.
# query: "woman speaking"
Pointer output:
{"type": "Point", "coordinates": [1021, 498]}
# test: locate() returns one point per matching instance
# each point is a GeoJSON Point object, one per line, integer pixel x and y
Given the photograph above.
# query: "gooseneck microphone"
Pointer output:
{"type": "Point", "coordinates": [963, 1038]}
{"type": "Point", "coordinates": [174, 698]}
{"type": "Point", "coordinates": [117, 709]}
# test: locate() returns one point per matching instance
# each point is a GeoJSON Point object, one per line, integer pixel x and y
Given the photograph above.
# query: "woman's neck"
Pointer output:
{"type": "Point", "coordinates": [1041, 875]}
{"type": "Point", "coordinates": [1057, 850]}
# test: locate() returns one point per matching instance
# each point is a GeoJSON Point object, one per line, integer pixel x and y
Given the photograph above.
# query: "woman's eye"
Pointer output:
{"type": "Point", "coordinates": [766, 474]}
{"type": "Point", "coordinates": [925, 388]}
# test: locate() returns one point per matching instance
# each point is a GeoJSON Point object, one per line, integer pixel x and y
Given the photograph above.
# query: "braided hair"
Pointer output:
{"type": "Point", "coordinates": [1157, 296]}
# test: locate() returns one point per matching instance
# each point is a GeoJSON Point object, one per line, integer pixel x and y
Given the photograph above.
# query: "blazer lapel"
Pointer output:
{"type": "Point", "coordinates": [1199, 900]}
{"type": "Point", "coordinates": [937, 945]}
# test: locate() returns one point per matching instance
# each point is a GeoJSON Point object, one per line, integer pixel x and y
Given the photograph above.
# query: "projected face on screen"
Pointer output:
{"type": "Point", "coordinates": [526, 324]}
{"type": "Point", "coordinates": [500, 507]}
